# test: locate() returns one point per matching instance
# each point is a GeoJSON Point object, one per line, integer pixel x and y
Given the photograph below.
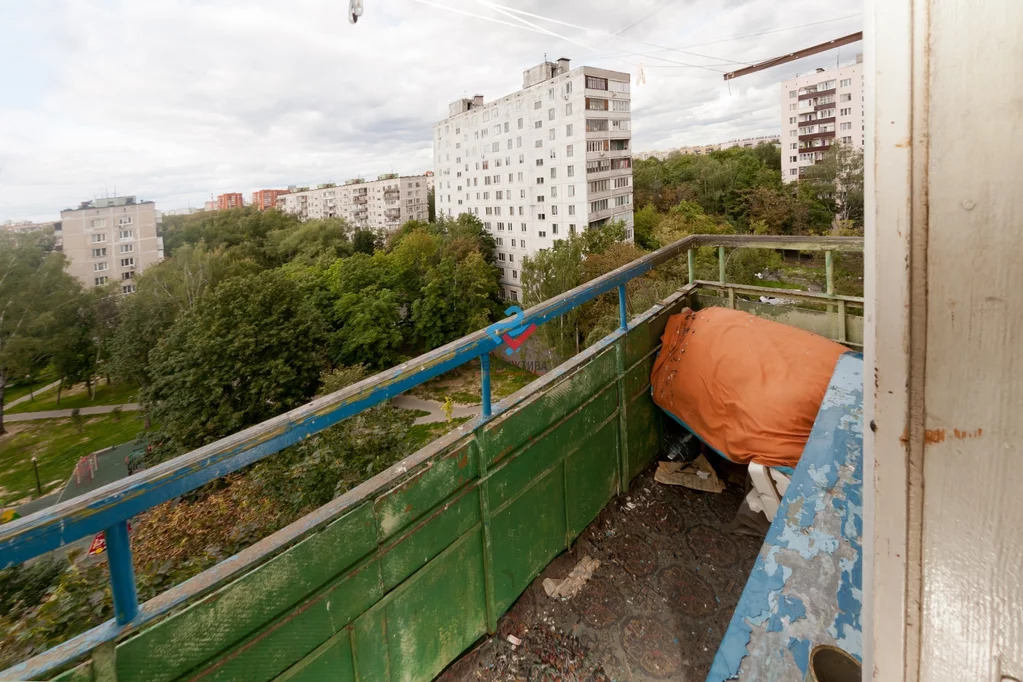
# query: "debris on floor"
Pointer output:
{"type": "Point", "coordinates": [696, 475]}
{"type": "Point", "coordinates": [670, 576]}
{"type": "Point", "coordinates": [573, 583]}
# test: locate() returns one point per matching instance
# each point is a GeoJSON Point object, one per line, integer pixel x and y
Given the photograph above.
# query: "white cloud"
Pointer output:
{"type": "Point", "coordinates": [174, 100]}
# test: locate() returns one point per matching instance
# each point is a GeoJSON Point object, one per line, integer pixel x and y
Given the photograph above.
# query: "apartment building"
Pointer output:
{"type": "Point", "coordinates": [540, 164]}
{"type": "Point", "coordinates": [703, 149]}
{"type": "Point", "coordinates": [230, 200]}
{"type": "Point", "coordinates": [266, 198]}
{"type": "Point", "coordinates": [386, 203]}
{"type": "Point", "coordinates": [111, 239]}
{"type": "Point", "coordinates": [819, 110]}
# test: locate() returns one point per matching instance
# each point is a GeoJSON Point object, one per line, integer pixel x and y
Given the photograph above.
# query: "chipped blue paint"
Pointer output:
{"type": "Point", "coordinates": [806, 586]}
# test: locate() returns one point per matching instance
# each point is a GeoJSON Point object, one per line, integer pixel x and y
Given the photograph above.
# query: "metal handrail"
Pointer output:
{"type": "Point", "coordinates": [110, 507]}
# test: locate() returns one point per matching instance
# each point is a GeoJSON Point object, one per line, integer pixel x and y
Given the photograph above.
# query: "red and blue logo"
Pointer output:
{"type": "Point", "coordinates": [511, 331]}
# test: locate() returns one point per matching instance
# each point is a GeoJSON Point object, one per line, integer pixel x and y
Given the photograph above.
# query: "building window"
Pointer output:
{"type": "Point", "coordinates": [99, 238]}
{"type": "Point", "coordinates": [599, 205]}
{"type": "Point", "coordinates": [554, 228]}
{"type": "Point", "coordinates": [792, 107]}
{"type": "Point", "coordinates": [569, 150]}
{"type": "Point", "coordinates": [538, 124]}
{"type": "Point", "coordinates": [792, 145]}
{"type": "Point", "coordinates": [127, 275]}
{"type": "Point", "coordinates": [595, 83]}
{"type": "Point", "coordinates": [538, 144]}
{"type": "Point", "coordinates": [620, 105]}
{"type": "Point", "coordinates": [99, 253]}
{"type": "Point", "coordinates": [100, 267]}
{"type": "Point", "coordinates": [568, 130]}
{"type": "Point", "coordinates": [127, 262]}
{"type": "Point", "coordinates": [571, 209]}
{"type": "Point", "coordinates": [568, 109]}
{"type": "Point", "coordinates": [551, 135]}
{"type": "Point", "coordinates": [845, 126]}
{"type": "Point", "coordinates": [623, 200]}
{"type": "Point", "coordinates": [596, 104]}
{"type": "Point", "coordinates": [520, 124]}
{"type": "Point", "coordinates": [97, 222]}
{"type": "Point", "coordinates": [846, 82]}
{"type": "Point", "coordinates": [792, 171]}
{"type": "Point", "coordinates": [129, 289]}
{"type": "Point", "coordinates": [845, 97]}
{"type": "Point", "coordinates": [845, 112]}
{"type": "Point", "coordinates": [541, 233]}
{"type": "Point", "coordinates": [792, 120]}
{"type": "Point", "coordinates": [124, 221]}
{"type": "Point", "coordinates": [554, 173]}
{"type": "Point", "coordinates": [793, 159]}
{"type": "Point", "coordinates": [570, 171]}
{"type": "Point", "coordinates": [99, 280]}
{"type": "Point", "coordinates": [550, 114]}
{"type": "Point", "coordinates": [792, 94]}
{"type": "Point", "coordinates": [596, 125]}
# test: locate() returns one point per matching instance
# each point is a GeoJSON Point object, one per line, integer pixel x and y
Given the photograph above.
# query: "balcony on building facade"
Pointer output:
{"type": "Point", "coordinates": [817, 93]}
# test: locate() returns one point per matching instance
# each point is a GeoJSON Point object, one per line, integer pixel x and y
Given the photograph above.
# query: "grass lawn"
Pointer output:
{"type": "Point", "coordinates": [58, 446]}
{"type": "Point", "coordinates": [12, 393]}
{"type": "Point", "coordinates": [421, 434]}
{"type": "Point", "coordinates": [78, 396]}
{"type": "Point", "coordinates": [463, 383]}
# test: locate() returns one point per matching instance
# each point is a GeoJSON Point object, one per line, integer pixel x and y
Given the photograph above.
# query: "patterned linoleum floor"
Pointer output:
{"type": "Point", "coordinates": [656, 608]}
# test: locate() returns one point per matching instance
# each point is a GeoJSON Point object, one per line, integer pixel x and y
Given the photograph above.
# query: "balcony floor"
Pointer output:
{"type": "Point", "coordinates": [656, 608]}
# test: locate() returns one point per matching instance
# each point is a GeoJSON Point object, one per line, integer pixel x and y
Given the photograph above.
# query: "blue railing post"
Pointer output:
{"type": "Point", "coordinates": [623, 315]}
{"type": "Point", "coordinates": [485, 383]}
{"type": "Point", "coordinates": [122, 573]}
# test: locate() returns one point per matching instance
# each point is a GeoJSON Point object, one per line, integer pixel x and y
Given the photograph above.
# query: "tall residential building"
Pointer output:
{"type": "Point", "coordinates": [387, 202]}
{"type": "Point", "coordinates": [818, 110]}
{"type": "Point", "coordinates": [266, 198]}
{"type": "Point", "coordinates": [111, 239]}
{"type": "Point", "coordinates": [539, 164]}
{"type": "Point", "coordinates": [229, 201]}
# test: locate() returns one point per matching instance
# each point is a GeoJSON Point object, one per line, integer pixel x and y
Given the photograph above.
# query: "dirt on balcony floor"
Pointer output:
{"type": "Point", "coordinates": [656, 608]}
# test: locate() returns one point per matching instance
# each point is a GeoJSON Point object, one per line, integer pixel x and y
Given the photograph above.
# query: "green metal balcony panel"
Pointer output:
{"type": "Point", "coordinates": [427, 487]}
{"type": "Point", "coordinates": [176, 645]}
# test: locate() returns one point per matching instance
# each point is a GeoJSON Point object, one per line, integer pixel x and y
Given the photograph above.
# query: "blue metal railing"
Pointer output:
{"type": "Point", "coordinates": [110, 507]}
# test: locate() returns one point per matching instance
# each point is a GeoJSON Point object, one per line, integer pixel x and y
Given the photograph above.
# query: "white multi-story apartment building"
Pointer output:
{"type": "Point", "coordinates": [818, 110]}
{"type": "Point", "coordinates": [540, 164]}
{"type": "Point", "coordinates": [111, 239]}
{"type": "Point", "coordinates": [387, 202]}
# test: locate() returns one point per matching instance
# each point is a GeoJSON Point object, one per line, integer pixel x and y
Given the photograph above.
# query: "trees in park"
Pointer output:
{"type": "Point", "coordinates": [249, 350]}
{"type": "Point", "coordinates": [35, 297]}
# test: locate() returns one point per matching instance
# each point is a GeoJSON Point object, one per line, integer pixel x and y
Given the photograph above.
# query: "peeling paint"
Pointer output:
{"type": "Point", "coordinates": [806, 586]}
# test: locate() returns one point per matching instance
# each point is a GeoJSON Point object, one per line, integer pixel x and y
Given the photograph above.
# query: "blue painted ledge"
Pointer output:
{"type": "Point", "coordinates": [806, 586]}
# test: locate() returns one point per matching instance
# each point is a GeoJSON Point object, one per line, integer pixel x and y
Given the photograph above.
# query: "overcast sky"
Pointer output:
{"type": "Point", "coordinates": [175, 100]}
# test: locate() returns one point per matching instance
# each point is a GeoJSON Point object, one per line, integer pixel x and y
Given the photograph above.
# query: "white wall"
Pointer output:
{"type": "Point", "coordinates": [944, 561]}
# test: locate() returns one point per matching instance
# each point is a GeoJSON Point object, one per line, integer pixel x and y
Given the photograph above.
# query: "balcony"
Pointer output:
{"type": "Point", "coordinates": [396, 578]}
{"type": "Point", "coordinates": [360, 199]}
{"type": "Point", "coordinates": [816, 94]}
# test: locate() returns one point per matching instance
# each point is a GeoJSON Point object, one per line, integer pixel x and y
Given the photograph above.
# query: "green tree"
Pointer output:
{"type": "Point", "coordinates": [458, 299]}
{"type": "Point", "coordinates": [837, 181]}
{"type": "Point", "coordinates": [247, 351]}
{"type": "Point", "coordinates": [312, 240]}
{"type": "Point", "coordinates": [644, 221]}
{"type": "Point", "coordinates": [365, 241]}
{"type": "Point", "coordinates": [431, 205]}
{"type": "Point", "coordinates": [73, 346]}
{"type": "Point", "coordinates": [368, 328]}
{"type": "Point", "coordinates": [34, 291]}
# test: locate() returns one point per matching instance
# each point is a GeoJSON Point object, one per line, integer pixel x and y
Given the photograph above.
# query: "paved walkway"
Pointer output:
{"type": "Point", "coordinates": [28, 396]}
{"type": "Point", "coordinates": [436, 409]}
{"type": "Point", "coordinates": [57, 414]}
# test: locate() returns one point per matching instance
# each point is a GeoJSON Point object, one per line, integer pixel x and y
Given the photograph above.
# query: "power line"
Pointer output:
{"type": "Point", "coordinates": [774, 30]}
{"type": "Point", "coordinates": [509, 10]}
{"type": "Point", "coordinates": [644, 18]}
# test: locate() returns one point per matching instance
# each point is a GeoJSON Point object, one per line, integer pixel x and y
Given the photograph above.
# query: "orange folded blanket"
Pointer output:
{"type": "Point", "coordinates": [748, 387]}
